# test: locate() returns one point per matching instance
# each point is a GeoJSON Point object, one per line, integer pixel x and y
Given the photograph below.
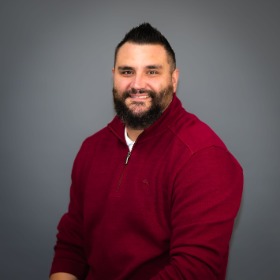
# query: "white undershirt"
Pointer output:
{"type": "Point", "coordinates": [129, 142]}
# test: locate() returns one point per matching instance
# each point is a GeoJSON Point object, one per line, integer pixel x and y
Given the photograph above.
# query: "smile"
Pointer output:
{"type": "Point", "coordinates": [139, 96]}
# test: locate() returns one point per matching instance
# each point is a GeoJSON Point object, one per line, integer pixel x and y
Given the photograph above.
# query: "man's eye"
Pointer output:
{"type": "Point", "coordinates": [152, 72]}
{"type": "Point", "coordinates": [126, 72]}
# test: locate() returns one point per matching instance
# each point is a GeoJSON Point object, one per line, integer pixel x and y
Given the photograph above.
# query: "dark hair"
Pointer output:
{"type": "Point", "coordinates": [146, 34]}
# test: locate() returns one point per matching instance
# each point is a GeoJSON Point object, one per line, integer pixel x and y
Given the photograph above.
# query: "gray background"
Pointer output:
{"type": "Point", "coordinates": [56, 60]}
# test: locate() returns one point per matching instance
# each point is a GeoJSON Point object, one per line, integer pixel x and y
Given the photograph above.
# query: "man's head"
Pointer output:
{"type": "Point", "coordinates": [145, 76]}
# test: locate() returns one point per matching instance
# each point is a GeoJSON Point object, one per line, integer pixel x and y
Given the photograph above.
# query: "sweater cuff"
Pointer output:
{"type": "Point", "coordinates": [79, 270]}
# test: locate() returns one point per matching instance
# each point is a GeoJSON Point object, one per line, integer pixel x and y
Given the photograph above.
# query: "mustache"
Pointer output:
{"type": "Point", "coordinates": [142, 90]}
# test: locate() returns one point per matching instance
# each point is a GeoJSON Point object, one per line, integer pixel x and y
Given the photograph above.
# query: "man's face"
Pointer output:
{"type": "Point", "coordinates": [144, 83]}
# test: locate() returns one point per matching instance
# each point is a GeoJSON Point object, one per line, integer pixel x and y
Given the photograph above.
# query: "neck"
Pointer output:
{"type": "Point", "coordinates": [133, 133]}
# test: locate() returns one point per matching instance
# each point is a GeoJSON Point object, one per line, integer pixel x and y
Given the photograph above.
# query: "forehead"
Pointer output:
{"type": "Point", "coordinates": [130, 53]}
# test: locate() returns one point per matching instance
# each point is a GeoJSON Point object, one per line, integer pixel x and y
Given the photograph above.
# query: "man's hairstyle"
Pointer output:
{"type": "Point", "coordinates": [146, 34]}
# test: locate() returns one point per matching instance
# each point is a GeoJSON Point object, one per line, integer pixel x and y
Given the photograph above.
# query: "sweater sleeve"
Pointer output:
{"type": "Point", "coordinates": [69, 249]}
{"type": "Point", "coordinates": [206, 199]}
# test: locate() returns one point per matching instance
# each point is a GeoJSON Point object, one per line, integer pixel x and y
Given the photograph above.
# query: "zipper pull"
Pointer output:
{"type": "Point", "coordinates": [127, 157]}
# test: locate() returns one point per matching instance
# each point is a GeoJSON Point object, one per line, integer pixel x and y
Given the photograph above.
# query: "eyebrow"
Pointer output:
{"type": "Point", "coordinates": [155, 66]}
{"type": "Point", "coordinates": [123, 68]}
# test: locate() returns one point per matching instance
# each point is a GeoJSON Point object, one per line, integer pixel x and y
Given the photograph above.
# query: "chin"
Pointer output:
{"type": "Point", "coordinates": [139, 113]}
{"type": "Point", "coordinates": [138, 110]}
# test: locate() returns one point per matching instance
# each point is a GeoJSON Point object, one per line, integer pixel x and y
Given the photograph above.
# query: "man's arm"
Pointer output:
{"type": "Point", "coordinates": [206, 198]}
{"type": "Point", "coordinates": [63, 276]}
{"type": "Point", "coordinates": [69, 255]}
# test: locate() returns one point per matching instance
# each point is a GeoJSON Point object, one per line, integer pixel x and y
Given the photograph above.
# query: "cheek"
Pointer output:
{"type": "Point", "coordinates": [162, 83]}
{"type": "Point", "coordinates": [155, 85]}
{"type": "Point", "coordinates": [121, 84]}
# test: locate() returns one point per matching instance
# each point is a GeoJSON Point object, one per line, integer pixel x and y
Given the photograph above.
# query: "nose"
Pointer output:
{"type": "Point", "coordinates": [138, 82]}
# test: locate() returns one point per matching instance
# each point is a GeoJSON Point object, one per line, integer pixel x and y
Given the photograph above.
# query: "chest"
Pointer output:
{"type": "Point", "coordinates": [132, 185]}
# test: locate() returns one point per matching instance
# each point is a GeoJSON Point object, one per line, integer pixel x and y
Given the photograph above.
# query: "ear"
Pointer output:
{"type": "Point", "coordinates": [175, 79]}
{"type": "Point", "coordinates": [113, 71]}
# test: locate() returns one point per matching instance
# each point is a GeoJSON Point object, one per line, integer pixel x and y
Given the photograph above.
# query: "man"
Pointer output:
{"type": "Point", "coordinates": [155, 193]}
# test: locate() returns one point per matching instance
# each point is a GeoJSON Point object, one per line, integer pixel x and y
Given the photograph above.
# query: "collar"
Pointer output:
{"type": "Point", "coordinates": [128, 141]}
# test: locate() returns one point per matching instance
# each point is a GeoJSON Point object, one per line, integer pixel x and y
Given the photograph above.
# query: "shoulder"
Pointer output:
{"type": "Point", "coordinates": [104, 135]}
{"type": "Point", "coordinates": [95, 138]}
{"type": "Point", "coordinates": [194, 133]}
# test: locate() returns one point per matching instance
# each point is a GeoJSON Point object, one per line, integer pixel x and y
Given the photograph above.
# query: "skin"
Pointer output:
{"type": "Point", "coordinates": [63, 276]}
{"type": "Point", "coordinates": [143, 67]}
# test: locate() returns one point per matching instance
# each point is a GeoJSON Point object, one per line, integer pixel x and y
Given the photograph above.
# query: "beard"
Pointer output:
{"type": "Point", "coordinates": [144, 119]}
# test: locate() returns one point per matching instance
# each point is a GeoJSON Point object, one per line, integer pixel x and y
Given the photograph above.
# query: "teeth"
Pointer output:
{"type": "Point", "coordinates": [140, 96]}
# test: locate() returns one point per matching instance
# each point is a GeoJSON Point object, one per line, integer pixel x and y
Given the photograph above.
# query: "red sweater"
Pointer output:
{"type": "Point", "coordinates": [167, 213]}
